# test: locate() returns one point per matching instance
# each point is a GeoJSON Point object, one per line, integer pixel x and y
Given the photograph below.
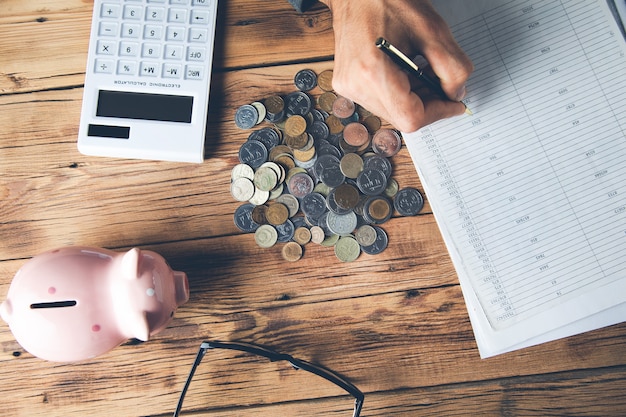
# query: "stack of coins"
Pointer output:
{"type": "Point", "coordinates": [319, 172]}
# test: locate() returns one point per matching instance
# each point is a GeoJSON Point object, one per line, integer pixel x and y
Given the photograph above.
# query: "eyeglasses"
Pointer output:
{"type": "Point", "coordinates": [273, 357]}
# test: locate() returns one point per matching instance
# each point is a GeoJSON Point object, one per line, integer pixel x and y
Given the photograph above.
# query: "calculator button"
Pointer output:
{"type": "Point", "coordinates": [106, 47]}
{"type": "Point", "coordinates": [107, 29]}
{"type": "Point", "coordinates": [173, 52]}
{"type": "Point", "coordinates": [178, 2]}
{"type": "Point", "coordinates": [104, 66]}
{"type": "Point", "coordinates": [195, 54]}
{"type": "Point", "coordinates": [130, 30]}
{"type": "Point", "coordinates": [132, 12]}
{"type": "Point", "coordinates": [127, 67]}
{"type": "Point", "coordinates": [198, 35]}
{"type": "Point", "coordinates": [175, 33]}
{"type": "Point", "coordinates": [200, 2]}
{"type": "Point", "coordinates": [153, 32]}
{"type": "Point", "coordinates": [172, 70]}
{"type": "Point", "coordinates": [177, 16]}
{"type": "Point", "coordinates": [200, 17]}
{"type": "Point", "coordinates": [149, 69]}
{"type": "Point", "coordinates": [129, 49]}
{"type": "Point", "coordinates": [194, 72]}
{"type": "Point", "coordinates": [155, 14]}
{"type": "Point", "coordinates": [110, 11]}
{"type": "Point", "coordinates": [151, 50]}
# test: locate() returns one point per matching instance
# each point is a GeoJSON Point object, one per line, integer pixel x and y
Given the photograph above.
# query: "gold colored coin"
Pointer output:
{"type": "Point", "coordinates": [277, 213]}
{"type": "Point", "coordinates": [279, 150]}
{"type": "Point", "coordinates": [295, 125]}
{"type": "Point", "coordinates": [379, 209]}
{"type": "Point", "coordinates": [286, 161]}
{"type": "Point", "coordinates": [334, 124]}
{"type": "Point", "coordinates": [325, 80]}
{"type": "Point", "coordinates": [304, 155]}
{"type": "Point", "coordinates": [297, 142]}
{"type": "Point", "coordinates": [372, 123]}
{"type": "Point", "coordinates": [274, 104]}
{"type": "Point", "coordinates": [351, 165]}
{"type": "Point", "coordinates": [326, 100]}
{"type": "Point", "coordinates": [302, 235]}
{"type": "Point", "coordinates": [292, 252]}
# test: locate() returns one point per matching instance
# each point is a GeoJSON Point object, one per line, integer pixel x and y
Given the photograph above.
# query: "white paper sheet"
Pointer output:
{"type": "Point", "coordinates": [530, 191]}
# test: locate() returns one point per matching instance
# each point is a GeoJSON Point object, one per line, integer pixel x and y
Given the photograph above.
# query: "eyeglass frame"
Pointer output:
{"type": "Point", "coordinates": [273, 356]}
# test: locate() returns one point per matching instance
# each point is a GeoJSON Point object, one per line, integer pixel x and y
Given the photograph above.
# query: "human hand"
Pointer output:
{"type": "Point", "coordinates": [367, 76]}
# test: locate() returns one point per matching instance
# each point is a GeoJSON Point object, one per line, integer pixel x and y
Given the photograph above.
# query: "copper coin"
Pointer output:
{"type": "Point", "coordinates": [386, 142]}
{"type": "Point", "coordinates": [343, 107]}
{"type": "Point", "coordinates": [300, 185]}
{"type": "Point", "coordinates": [356, 134]}
{"type": "Point", "coordinates": [325, 80]}
{"type": "Point", "coordinates": [346, 196]}
{"type": "Point", "coordinates": [258, 214]}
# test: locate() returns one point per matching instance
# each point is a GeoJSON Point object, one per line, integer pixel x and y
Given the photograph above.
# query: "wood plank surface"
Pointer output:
{"type": "Point", "coordinates": [395, 324]}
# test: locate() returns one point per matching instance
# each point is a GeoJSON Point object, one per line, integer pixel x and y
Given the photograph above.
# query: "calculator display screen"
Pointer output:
{"type": "Point", "coordinates": [144, 106]}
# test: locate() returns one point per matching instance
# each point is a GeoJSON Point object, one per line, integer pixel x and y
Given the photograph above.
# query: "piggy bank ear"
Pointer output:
{"type": "Point", "coordinates": [130, 264]}
{"type": "Point", "coordinates": [139, 326]}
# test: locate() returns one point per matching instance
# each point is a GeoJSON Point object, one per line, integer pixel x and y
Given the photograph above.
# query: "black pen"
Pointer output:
{"type": "Point", "coordinates": [411, 67]}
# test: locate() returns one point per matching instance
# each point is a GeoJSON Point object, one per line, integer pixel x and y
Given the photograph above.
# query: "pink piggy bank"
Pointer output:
{"type": "Point", "coordinates": [76, 303]}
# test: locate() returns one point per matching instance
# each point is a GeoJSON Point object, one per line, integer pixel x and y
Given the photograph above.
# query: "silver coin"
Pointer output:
{"type": "Point", "coordinates": [297, 103]}
{"type": "Point", "coordinates": [305, 80]}
{"type": "Point", "coordinates": [253, 153]}
{"type": "Point", "coordinates": [372, 181]}
{"type": "Point", "coordinates": [379, 163]}
{"type": "Point", "coordinates": [246, 116]}
{"type": "Point", "coordinates": [341, 224]}
{"type": "Point", "coordinates": [243, 218]}
{"type": "Point", "coordinates": [285, 231]}
{"type": "Point", "coordinates": [408, 202]}
{"type": "Point", "coordinates": [314, 205]}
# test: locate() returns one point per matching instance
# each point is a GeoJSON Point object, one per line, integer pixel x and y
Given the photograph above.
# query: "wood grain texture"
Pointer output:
{"type": "Point", "coordinates": [395, 324]}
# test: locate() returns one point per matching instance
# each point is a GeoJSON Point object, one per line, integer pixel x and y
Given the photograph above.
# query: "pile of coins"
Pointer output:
{"type": "Point", "coordinates": [320, 172]}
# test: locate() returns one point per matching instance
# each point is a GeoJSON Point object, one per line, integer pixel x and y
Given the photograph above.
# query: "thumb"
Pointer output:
{"type": "Point", "coordinates": [452, 66]}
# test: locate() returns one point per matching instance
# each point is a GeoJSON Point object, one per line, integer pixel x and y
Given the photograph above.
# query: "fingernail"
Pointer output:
{"type": "Point", "coordinates": [460, 94]}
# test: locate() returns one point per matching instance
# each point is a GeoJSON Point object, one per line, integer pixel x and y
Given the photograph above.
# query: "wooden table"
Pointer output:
{"type": "Point", "coordinates": [394, 324]}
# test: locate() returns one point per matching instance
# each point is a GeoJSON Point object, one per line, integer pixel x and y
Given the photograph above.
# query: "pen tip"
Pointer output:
{"type": "Point", "coordinates": [468, 111]}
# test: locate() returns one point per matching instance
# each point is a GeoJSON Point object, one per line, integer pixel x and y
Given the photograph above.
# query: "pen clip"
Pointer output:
{"type": "Point", "coordinates": [397, 56]}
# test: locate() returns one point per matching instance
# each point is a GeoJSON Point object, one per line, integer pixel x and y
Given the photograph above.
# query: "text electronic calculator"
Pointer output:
{"type": "Point", "coordinates": [147, 81]}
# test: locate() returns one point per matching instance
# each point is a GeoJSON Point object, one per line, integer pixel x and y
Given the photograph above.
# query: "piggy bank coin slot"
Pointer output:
{"type": "Point", "coordinates": [54, 304]}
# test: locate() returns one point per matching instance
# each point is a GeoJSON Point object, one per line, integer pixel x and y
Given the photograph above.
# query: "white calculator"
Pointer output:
{"type": "Point", "coordinates": [147, 81]}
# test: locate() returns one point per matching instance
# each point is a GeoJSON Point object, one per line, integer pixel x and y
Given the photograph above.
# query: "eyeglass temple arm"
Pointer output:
{"type": "Point", "coordinates": [199, 356]}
